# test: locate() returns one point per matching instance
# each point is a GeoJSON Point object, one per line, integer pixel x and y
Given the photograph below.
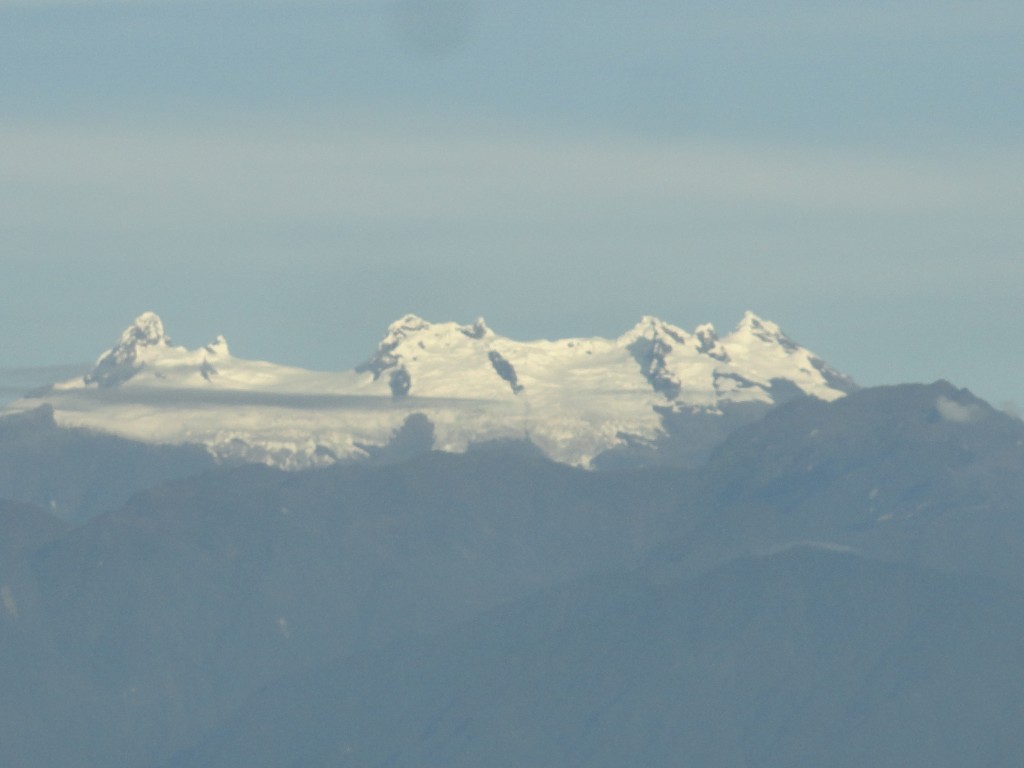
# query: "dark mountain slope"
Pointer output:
{"type": "Point", "coordinates": [77, 474]}
{"type": "Point", "coordinates": [926, 474]}
{"type": "Point", "coordinates": [152, 624]}
{"type": "Point", "coordinates": [29, 664]}
{"type": "Point", "coordinates": [26, 527]}
{"type": "Point", "coordinates": [804, 658]}
{"type": "Point", "coordinates": [179, 605]}
{"type": "Point", "coordinates": [23, 530]}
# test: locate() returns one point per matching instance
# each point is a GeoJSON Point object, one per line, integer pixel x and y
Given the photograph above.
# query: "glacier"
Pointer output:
{"type": "Point", "coordinates": [574, 399]}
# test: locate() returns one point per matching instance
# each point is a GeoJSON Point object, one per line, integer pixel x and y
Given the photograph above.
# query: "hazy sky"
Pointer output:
{"type": "Point", "coordinates": [296, 175]}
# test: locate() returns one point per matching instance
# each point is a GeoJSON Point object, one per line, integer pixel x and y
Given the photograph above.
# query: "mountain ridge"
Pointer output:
{"type": "Point", "coordinates": [575, 399]}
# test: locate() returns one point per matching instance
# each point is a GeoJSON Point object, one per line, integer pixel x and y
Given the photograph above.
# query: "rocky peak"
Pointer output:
{"type": "Point", "coordinates": [120, 362]}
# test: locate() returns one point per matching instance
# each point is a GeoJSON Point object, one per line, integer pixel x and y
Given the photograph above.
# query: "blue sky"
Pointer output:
{"type": "Point", "coordinates": [295, 175]}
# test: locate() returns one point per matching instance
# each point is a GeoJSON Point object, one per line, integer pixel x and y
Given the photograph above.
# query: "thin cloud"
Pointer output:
{"type": "Point", "coordinates": [953, 411]}
{"type": "Point", "coordinates": [940, 19]}
{"type": "Point", "coordinates": [204, 3]}
{"type": "Point", "coordinates": [827, 546]}
{"type": "Point", "coordinates": [145, 179]}
{"type": "Point", "coordinates": [191, 398]}
{"type": "Point", "coordinates": [83, 3]}
{"type": "Point", "coordinates": [12, 391]}
{"type": "Point", "coordinates": [16, 382]}
{"type": "Point", "coordinates": [48, 372]}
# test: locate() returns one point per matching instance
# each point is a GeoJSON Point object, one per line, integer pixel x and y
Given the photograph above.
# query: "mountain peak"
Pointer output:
{"type": "Point", "coordinates": [755, 327]}
{"type": "Point", "coordinates": [477, 330]}
{"type": "Point", "coordinates": [147, 330]}
{"type": "Point", "coordinates": [754, 322]}
{"type": "Point", "coordinates": [406, 324]}
{"type": "Point", "coordinates": [708, 344]}
{"type": "Point", "coordinates": [218, 347]}
{"type": "Point", "coordinates": [410, 324]}
{"type": "Point", "coordinates": [654, 328]}
{"type": "Point", "coordinates": [384, 357]}
{"type": "Point", "coordinates": [145, 345]}
{"type": "Point", "coordinates": [119, 363]}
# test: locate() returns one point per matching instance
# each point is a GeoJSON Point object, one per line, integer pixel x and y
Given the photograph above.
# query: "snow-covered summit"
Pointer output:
{"type": "Point", "coordinates": [147, 331]}
{"type": "Point", "coordinates": [760, 346]}
{"type": "Point", "coordinates": [116, 364]}
{"type": "Point", "coordinates": [145, 345]}
{"type": "Point", "coordinates": [574, 398]}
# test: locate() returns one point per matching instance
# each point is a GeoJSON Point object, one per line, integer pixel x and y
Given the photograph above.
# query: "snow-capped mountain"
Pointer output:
{"type": "Point", "coordinates": [573, 398]}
